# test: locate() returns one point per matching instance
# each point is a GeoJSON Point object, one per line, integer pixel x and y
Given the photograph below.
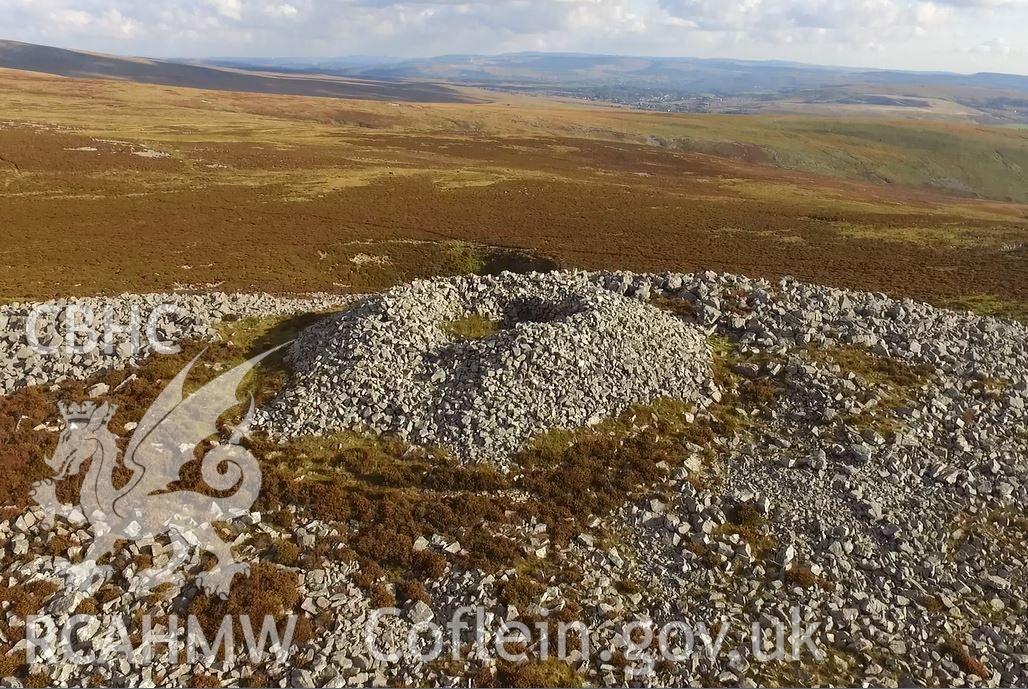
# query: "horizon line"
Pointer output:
{"type": "Point", "coordinates": [397, 59]}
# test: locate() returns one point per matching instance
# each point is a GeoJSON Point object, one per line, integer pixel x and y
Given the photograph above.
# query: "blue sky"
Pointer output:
{"type": "Point", "coordinates": [957, 35]}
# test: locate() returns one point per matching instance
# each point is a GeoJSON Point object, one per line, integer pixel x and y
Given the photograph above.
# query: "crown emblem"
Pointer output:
{"type": "Point", "coordinates": [81, 413]}
{"type": "Point", "coordinates": [77, 412]}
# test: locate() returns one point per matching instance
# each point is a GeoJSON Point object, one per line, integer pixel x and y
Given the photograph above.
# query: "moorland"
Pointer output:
{"type": "Point", "coordinates": [110, 186]}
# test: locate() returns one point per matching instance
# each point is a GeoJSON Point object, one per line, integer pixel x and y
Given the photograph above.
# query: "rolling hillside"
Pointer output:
{"type": "Point", "coordinates": [706, 86]}
{"type": "Point", "coordinates": [722, 76]}
{"type": "Point", "coordinates": [72, 63]}
{"type": "Point", "coordinates": [957, 157]}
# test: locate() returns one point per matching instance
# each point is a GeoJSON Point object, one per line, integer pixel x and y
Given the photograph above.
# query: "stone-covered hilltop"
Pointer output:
{"type": "Point", "coordinates": [861, 458]}
{"type": "Point", "coordinates": [566, 349]}
{"type": "Point", "coordinates": [887, 463]}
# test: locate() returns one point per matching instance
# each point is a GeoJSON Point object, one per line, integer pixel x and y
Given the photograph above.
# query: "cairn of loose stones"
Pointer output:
{"type": "Point", "coordinates": [566, 352]}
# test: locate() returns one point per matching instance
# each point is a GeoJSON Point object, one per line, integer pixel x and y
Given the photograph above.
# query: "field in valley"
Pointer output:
{"type": "Point", "coordinates": [111, 187]}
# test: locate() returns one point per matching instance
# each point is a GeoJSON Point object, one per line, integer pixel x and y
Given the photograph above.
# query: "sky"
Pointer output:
{"type": "Point", "coordinates": [953, 35]}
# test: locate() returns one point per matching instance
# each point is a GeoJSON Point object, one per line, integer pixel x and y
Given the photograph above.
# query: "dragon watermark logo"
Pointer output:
{"type": "Point", "coordinates": [146, 506]}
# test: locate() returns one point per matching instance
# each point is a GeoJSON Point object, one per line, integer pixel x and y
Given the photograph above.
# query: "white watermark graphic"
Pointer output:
{"type": "Point", "coordinates": [143, 508]}
{"type": "Point", "coordinates": [50, 641]}
{"type": "Point", "coordinates": [77, 329]}
{"type": "Point", "coordinates": [642, 644]}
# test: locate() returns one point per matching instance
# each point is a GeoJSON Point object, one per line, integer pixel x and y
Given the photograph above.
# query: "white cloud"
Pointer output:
{"type": "Point", "coordinates": [117, 24]}
{"type": "Point", "coordinates": [109, 23]}
{"type": "Point", "coordinates": [283, 10]}
{"type": "Point", "coordinates": [999, 47]}
{"type": "Point", "coordinates": [233, 9]}
{"type": "Point", "coordinates": [986, 3]}
{"type": "Point", "coordinates": [852, 21]}
{"type": "Point", "coordinates": [71, 19]}
{"type": "Point", "coordinates": [899, 33]}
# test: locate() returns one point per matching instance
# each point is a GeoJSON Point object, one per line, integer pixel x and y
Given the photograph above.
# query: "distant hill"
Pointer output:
{"type": "Point", "coordinates": [73, 63]}
{"type": "Point", "coordinates": [726, 77]}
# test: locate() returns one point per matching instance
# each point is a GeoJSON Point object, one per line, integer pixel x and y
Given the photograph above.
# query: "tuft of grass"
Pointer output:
{"type": "Point", "coordinates": [409, 591]}
{"type": "Point", "coordinates": [37, 681]}
{"type": "Point", "coordinates": [960, 655]}
{"type": "Point", "coordinates": [754, 395]}
{"type": "Point", "coordinates": [87, 607]}
{"type": "Point", "coordinates": [428, 564]}
{"type": "Point", "coordinates": [746, 522]}
{"type": "Point", "coordinates": [12, 663]}
{"type": "Point", "coordinates": [893, 383]}
{"type": "Point", "coordinates": [465, 258]}
{"type": "Point", "coordinates": [881, 371]}
{"type": "Point", "coordinates": [990, 305]}
{"type": "Point", "coordinates": [22, 602]}
{"type": "Point", "coordinates": [800, 576]}
{"type": "Point", "coordinates": [525, 584]}
{"type": "Point", "coordinates": [726, 355]}
{"type": "Point", "coordinates": [536, 673]}
{"type": "Point", "coordinates": [382, 596]}
{"type": "Point", "coordinates": [285, 553]}
{"type": "Point", "coordinates": [267, 590]}
{"type": "Point", "coordinates": [473, 327]}
{"type": "Point", "coordinates": [27, 600]}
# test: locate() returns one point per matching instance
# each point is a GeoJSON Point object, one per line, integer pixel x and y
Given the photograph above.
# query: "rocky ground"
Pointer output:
{"type": "Point", "coordinates": [855, 458]}
{"type": "Point", "coordinates": [175, 318]}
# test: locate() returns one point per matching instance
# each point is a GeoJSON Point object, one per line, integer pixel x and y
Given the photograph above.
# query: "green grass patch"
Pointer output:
{"type": "Point", "coordinates": [473, 327]}
{"type": "Point", "coordinates": [965, 160]}
{"type": "Point", "coordinates": [466, 259]}
{"type": "Point", "coordinates": [882, 371]}
{"type": "Point", "coordinates": [893, 382]}
{"type": "Point", "coordinates": [990, 305]}
{"type": "Point", "coordinates": [947, 236]}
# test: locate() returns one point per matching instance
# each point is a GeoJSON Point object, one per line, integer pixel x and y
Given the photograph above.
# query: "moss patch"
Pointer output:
{"type": "Point", "coordinates": [990, 305]}
{"type": "Point", "coordinates": [888, 384]}
{"type": "Point", "coordinates": [548, 673]}
{"type": "Point", "coordinates": [473, 327]}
